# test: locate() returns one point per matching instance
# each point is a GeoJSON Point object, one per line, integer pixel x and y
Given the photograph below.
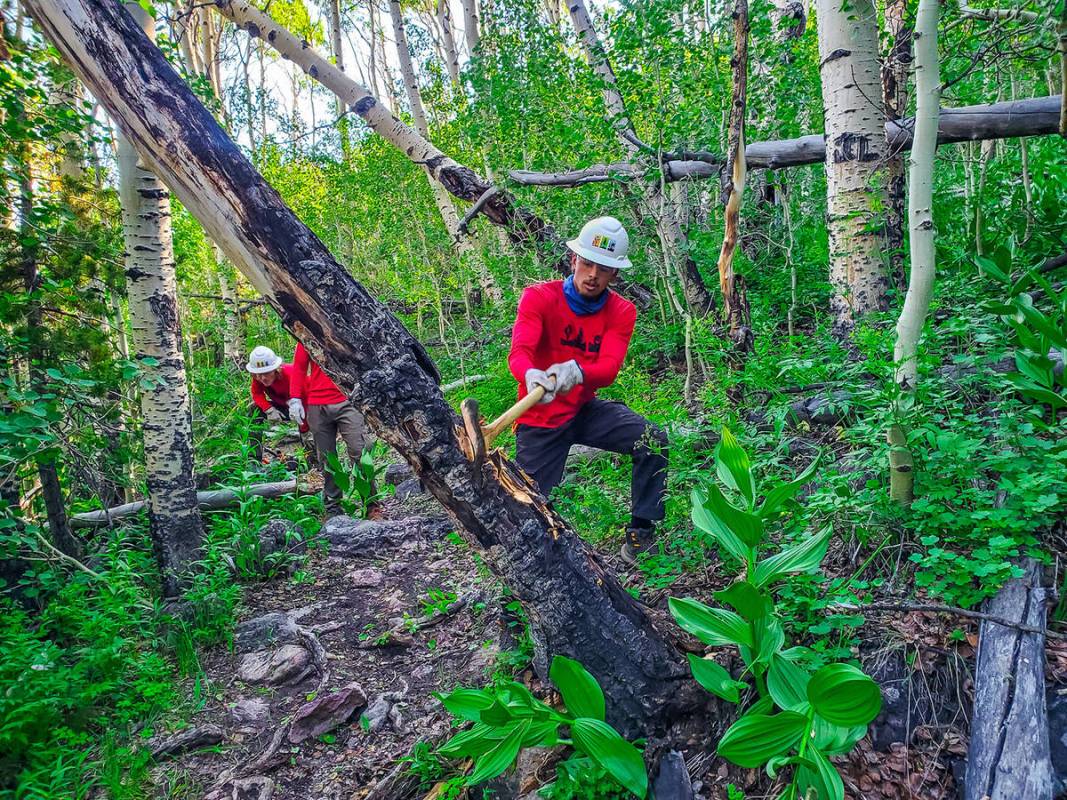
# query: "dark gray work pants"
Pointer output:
{"type": "Point", "coordinates": [606, 425]}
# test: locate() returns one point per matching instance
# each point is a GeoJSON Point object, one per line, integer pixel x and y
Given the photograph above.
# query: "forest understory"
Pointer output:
{"type": "Point", "coordinates": [812, 255]}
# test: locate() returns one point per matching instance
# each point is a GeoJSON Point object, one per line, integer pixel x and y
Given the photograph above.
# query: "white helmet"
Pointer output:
{"type": "Point", "coordinates": [262, 360]}
{"type": "Point", "coordinates": [603, 241]}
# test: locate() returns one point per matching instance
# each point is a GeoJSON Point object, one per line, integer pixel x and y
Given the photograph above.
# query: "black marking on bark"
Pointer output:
{"type": "Point", "coordinates": [252, 28]}
{"type": "Point", "coordinates": [851, 146]}
{"type": "Point", "coordinates": [272, 35]}
{"type": "Point", "coordinates": [313, 71]}
{"type": "Point", "coordinates": [836, 54]}
{"type": "Point", "coordinates": [364, 105]}
{"type": "Point", "coordinates": [135, 274]}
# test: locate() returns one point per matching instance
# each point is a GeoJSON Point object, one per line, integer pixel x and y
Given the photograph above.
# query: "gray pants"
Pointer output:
{"type": "Point", "coordinates": [542, 452]}
{"type": "Point", "coordinates": [325, 423]}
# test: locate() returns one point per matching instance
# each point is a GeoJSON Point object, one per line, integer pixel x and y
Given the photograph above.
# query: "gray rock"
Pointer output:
{"type": "Point", "coordinates": [409, 488]}
{"type": "Point", "coordinates": [281, 536]}
{"type": "Point", "coordinates": [325, 713]}
{"type": "Point", "coordinates": [1057, 738]}
{"type": "Point", "coordinates": [396, 474]}
{"type": "Point", "coordinates": [366, 578]}
{"type": "Point", "coordinates": [258, 787]}
{"type": "Point", "coordinates": [184, 741]}
{"type": "Point", "coordinates": [672, 780]}
{"type": "Point", "coordinates": [260, 632]}
{"type": "Point", "coordinates": [377, 713]}
{"type": "Point", "coordinates": [356, 538]}
{"type": "Point", "coordinates": [275, 667]}
{"type": "Point", "coordinates": [250, 714]}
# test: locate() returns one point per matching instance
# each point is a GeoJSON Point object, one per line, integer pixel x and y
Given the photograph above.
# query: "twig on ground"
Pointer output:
{"type": "Point", "coordinates": [962, 612]}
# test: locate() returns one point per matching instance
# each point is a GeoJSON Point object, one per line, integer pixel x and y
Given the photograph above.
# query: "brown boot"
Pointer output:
{"type": "Point", "coordinates": [637, 542]}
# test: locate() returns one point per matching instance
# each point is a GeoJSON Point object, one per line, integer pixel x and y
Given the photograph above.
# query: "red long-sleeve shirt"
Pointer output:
{"type": "Point", "coordinates": [310, 383]}
{"type": "Point", "coordinates": [547, 332]}
{"type": "Point", "coordinates": [277, 393]}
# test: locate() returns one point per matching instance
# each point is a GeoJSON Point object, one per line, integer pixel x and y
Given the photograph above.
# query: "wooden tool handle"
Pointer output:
{"type": "Point", "coordinates": [491, 430]}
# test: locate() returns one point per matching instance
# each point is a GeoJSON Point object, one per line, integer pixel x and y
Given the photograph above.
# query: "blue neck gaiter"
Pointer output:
{"type": "Point", "coordinates": [582, 306]}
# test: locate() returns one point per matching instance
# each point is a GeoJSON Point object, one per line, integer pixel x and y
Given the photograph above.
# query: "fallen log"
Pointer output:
{"type": "Point", "coordinates": [1035, 116]}
{"type": "Point", "coordinates": [210, 501]}
{"type": "Point", "coordinates": [1009, 756]}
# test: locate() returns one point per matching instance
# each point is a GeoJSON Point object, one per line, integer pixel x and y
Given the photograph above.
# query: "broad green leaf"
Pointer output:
{"type": "Point", "coordinates": [769, 638]}
{"type": "Point", "coordinates": [716, 679]}
{"type": "Point", "coordinates": [844, 695]}
{"type": "Point", "coordinates": [779, 495]}
{"type": "Point", "coordinates": [481, 738]}
{"type": "Point", "coordinates": [615, 755]}
{"type": "Point", "coordinates": [777, 762]}
{"type": "Point", "coordinates": [542, 734]}
{"type": "Point", "coordinates": [712, 626]}
{"type": "Point", "coordinates": [467, 703]}
{"type": "Point", "coordinates": [746, 600]}
{"type": "Point", "coordinates": [990, 268]}
{"type": "Point", "coordinates": [803, 557]}
{"type": "Point", "coordinates": [581, 693]}
{"type": "Point", "coordinates": [755, 738]}
{"type": "Point", "coordinates": [787, 683]}
{"type": "Point", "coordinates": [497, 714]}
{"type": "Point", "coordinates": [745, 526]}
{"type": "Point", "coordinates": [733, 467]}
{"type": "Point", "coordinates": [723, 536]}
{"type": "Point", "coordinates": [500, 757]}
{"type": "Point", "coordinates": [823, 778]}
{"type": "Point", "coordinates": [835, 739]}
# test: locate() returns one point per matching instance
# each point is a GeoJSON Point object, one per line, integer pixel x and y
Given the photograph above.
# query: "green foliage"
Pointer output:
{"type": "Point", "coordinates": [508, 718]}
{"type": "Point", "coordinates": [581, 778]}
{"type": "Point", "coordinates": [361, 484]}
{"type": "Point", "coordinates": [819, 713]}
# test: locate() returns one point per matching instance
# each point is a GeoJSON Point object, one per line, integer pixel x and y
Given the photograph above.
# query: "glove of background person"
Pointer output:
{"type": "Point", "coordinates": [538, 377]}
{"type": "Point", "coordinates": [296, 411]}
{"type": "Point", "coordinates": [274, 415]}
{"type": "Point", "coordinates": [567, 375]}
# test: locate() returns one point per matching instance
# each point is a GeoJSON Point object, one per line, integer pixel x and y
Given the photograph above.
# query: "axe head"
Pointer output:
{"type": "Point", "coordinates": [472, 423]}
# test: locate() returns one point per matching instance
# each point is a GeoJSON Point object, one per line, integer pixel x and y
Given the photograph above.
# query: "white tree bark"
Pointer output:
{"type": "Point", "coordinates": [231, 320]}
{"type": "Point", "coordinates": [856, 151]}
{"type": "Point", "coordinates": [462, 244]}
{"type": "Point", "coordinates": [470, 24]}
{"type": "Point", "coordinates": [151, 286]}
{"type": "Point", "coordinates": [921, 221]}
{"type": "Point", "coordinates": [448, 41]}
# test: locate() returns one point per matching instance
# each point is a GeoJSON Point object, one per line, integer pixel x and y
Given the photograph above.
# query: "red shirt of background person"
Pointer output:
{"type": "Point", "coordinates": [271, 384]}
{"type": "Point", "coordinates": [308, 382]}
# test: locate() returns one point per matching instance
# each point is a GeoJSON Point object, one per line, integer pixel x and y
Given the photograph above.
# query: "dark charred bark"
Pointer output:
{"type": "Point", "coordinates": [895, 97]}
{"type": "Point", "coordinates": [576, 607]}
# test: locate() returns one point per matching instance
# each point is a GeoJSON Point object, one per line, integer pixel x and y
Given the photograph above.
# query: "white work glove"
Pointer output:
{"type": "Point", "coordinates": [274, 415]}
{"type": "Point", "coordinates": [538, 377]}
{"type": "Point", "coordinates": [567, 375]}
{"type": "Point", "coordinates": [296, 411]}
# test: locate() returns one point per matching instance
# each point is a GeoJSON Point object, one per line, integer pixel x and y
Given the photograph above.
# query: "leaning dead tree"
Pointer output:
{"type": "Point", "coordinates": [575, 605]}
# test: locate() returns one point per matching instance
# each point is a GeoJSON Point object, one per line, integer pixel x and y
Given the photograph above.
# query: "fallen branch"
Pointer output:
{"type": "Point", "coordinates": [962, 612]}
{"type": "Point", "coordinates": [209, 500]}
{"type": "Point", "coordinates": [476, 209]}
{"type": "Point", "coordinates": [460, 382]}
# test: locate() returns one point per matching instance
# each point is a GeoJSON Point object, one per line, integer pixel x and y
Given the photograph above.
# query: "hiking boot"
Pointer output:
{"type": "Point", "coordinates": [375, 511]}
{"type": "Point", "coordinates": [637, 542]}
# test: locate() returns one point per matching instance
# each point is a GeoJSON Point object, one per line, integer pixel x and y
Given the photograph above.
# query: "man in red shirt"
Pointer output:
{"type": "Point", "coordinates": [316, 398]}
{"type": "Point", "coordinates": [270, 391]}
{"type": "Point", "coordinates": [571, 338]}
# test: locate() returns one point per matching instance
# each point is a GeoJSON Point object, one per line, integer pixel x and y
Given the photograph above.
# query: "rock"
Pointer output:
{"type": "Point", "coordinates": [672, 780]}
{"type": "Point", "coordinates": [822, 409]}
{"type": "Point", "coordinates": [250, 714]}
{"type": "Point", "coordinates": [275, 667]}
{"type": "Point", "coordinates": [189, 739]}
{"type": "Point", "coordinates": [397, 474]}
{"type": "Point", "coordinates": [364, 537]}
{"type": "Point", "coordinates": [409, 488]}
{"type": "Point", "coordinates": [257, 787]}
{"type": "Point", "coordinates": [366, 578]}
{"type": "Point", "coordinates": [261, 632]}
{"type": "Point", "coordinates": [1057, 738]}
{"type": "Point", "coordinates": [377, 713]}
{"type": "Point", "coordinates": [281, 536]}
{"type": "Point", "coordinates": [326, 712]}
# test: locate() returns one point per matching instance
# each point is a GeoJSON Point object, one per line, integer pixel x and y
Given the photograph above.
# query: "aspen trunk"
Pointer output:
{"type": "Point", "coordinates": [151, 285]}
{"type": "Point", "coordinates": [462, 244]}
{"type": "Point", "coordinates": [470, 24]}
{"type": "Point", "coordinates": [856, 150]}
{"type": "Point", "coordinates": [575, 605]}
{"type": "Point", "coordinates": [339, 61]}
{"type": "Point", "coordinates": [895, 97]}
{"type": "Point", "coordinates": [232, 351]}
{"type": "Point", "coordinates": [734, 308]}
{"type": "Point", "coordinates": [676, 246]}
{"type": "Point", "coordinates": [448, 41]}
{"type": "Point", "coordinates": [921, 219]}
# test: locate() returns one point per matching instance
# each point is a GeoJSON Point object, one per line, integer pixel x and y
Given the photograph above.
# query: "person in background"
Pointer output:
{"type": "Point", "coordinates": [316, 399]}
{"type": "Point", "coordinates": [271, 379]}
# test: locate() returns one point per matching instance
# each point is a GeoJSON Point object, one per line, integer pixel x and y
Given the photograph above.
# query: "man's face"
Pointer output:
{"type": "Point", "coordinates": [591, 279]}
{"type": "Point", "coordinates": [266, 378]}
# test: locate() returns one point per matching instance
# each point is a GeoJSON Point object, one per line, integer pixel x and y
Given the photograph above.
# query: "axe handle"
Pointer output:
{"type": "Point", "coordinates": [493, 429]}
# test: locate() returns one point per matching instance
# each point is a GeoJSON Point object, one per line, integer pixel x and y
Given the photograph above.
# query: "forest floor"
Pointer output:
{"type": "Point", "coordinates": [403, 608]}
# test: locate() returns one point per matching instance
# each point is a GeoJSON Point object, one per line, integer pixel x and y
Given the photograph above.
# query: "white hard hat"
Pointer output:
{"type": "Point", "coordinates": [603, 241]}
{"type": "Point", "coordinates": [262, 360]}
